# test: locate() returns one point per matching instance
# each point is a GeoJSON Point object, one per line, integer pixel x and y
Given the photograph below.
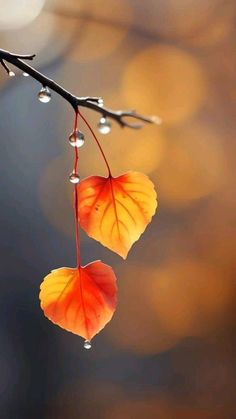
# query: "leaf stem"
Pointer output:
{"type": "Point", "coordinates": [76, 161]}
{"type": "Point", "coordinates": [97, 141]}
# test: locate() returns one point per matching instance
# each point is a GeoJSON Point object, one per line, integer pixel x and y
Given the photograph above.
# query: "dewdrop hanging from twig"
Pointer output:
{"type": "Point", "coordinates": [104, 126]}
{"type": "Point", "coordinates": [76, 139]}
{"type": "Point", "coordinates": [90, 102]}
{"type": "Point", "coordinates": [44, 95]}
{"type": "Point", "coordinates": [82, 299]}
{"type": "Point", "coordinates": [112, 210]}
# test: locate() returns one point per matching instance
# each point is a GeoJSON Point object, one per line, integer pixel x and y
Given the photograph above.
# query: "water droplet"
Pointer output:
{"type": "Point", "coordinates": [87, 344]}
{"type": "Point", "coordinates": [100, 102]}
{"type": "Point", "coordinates": [44, 95]}
{"type": "Point", "coordinates": [74, 178]}
{"type": "Point", "coordinates": [76, 139]}
{"type": "Point", "coordinates": [11, 74]}
{"type": "Point", "coordinates": [104, 126]}
{"type": "Point", "coordinates": [25, 74]}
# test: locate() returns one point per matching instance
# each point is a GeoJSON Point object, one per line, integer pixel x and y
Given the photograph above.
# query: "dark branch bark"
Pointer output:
{"type": "Point", "coordinates": [94, 103]}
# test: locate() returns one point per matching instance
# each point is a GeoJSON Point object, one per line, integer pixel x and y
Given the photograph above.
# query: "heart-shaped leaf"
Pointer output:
{"type": "Point", "coordinates": [81, 300]}
{"type": "Point", "coordinates": [116, 211]}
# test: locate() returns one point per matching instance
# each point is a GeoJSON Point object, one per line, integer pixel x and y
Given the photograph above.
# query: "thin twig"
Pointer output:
{"type": "Point", "coordinates": [94, 103]}
{"type": "Point", "coordinates": [5, 66]}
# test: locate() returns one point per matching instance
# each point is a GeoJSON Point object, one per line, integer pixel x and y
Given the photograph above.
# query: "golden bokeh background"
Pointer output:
{"type": "Point", "coordinates": [169, 352]}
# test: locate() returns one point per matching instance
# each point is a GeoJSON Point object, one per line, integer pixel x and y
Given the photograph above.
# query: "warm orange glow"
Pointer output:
{"type": "Point", "coordinates": [91, 30]}
{"type": "Point", "coordinates": [139, 150]}
{"type": "Point", "coordinates": [190, 297]}
{"type": "Point", "coordinates": [96, 40]}
{"type": "Point", "coordinates": [194, 165]}
{"type": "Point", "coordinates": [113, 11]}
{"type": "Point", "coordinates": [165, 81]}
{"type": "Point", "coordinates": [81, 300]}
{"type": "Point", "coordinates": [116, 211]}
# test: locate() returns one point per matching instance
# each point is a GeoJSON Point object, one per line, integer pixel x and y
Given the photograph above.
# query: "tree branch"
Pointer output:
{"type": "Point", "coordinates": [94, 103]}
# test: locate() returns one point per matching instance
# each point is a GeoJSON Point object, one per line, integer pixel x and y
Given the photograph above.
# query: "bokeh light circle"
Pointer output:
{"type": "Point", "coordinates": [43, 37]}
{"type": "Point", "coordinates": [194, 166]}
{"type": "Point", "coordinates": [16, 14]}
{"type": "Point", "coordinates": [166, 81]}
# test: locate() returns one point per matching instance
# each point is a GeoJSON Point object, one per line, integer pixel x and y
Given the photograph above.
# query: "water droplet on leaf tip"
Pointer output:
{"type": "Point", "coordinates": [104, 126]}
{"type": "Point", "coordinates": [44, 95]}
{"type": "Point", "coordinates": [74, 178]}
{"type": "Point", "coordinates": [76, 139]}
{"type": "Point", "coordinates": [11, 74]}
{"type": "Point", "coordinates": [87, 344]}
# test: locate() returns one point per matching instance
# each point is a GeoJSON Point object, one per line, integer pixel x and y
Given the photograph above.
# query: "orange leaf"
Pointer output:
{"type": "Point", "coordinates": [116, 211]}
{"type": "Point", "coordinates": [80, 300]}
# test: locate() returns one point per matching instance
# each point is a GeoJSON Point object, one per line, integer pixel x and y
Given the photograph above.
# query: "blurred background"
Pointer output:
{"type": "Point", "coordinates": [169, 351]}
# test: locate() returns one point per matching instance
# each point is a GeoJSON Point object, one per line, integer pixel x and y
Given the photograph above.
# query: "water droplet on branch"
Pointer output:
{"type": "Point", "coordinates": [11, 74]}
{"type": "Point", "coordinates": [74, 178]}
{"type": "Point", "coordinates": [25, 74]}
{"type": "Point", "coordinates": [100, 102]}
{"type": "Point", "coordinates": [44, 95]}
{"type": "Point", "coordinates": [76, 139]}
{"type": "Point", "coordinates": [87, 344]}
{"type": "Point", "coordinates": [104, 126]}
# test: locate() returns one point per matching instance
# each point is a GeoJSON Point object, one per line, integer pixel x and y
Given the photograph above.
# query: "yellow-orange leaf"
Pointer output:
{"type": "Point", "coordinates": [116, 211]}
{"type": "Point", "coordinates": [80, 300]}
